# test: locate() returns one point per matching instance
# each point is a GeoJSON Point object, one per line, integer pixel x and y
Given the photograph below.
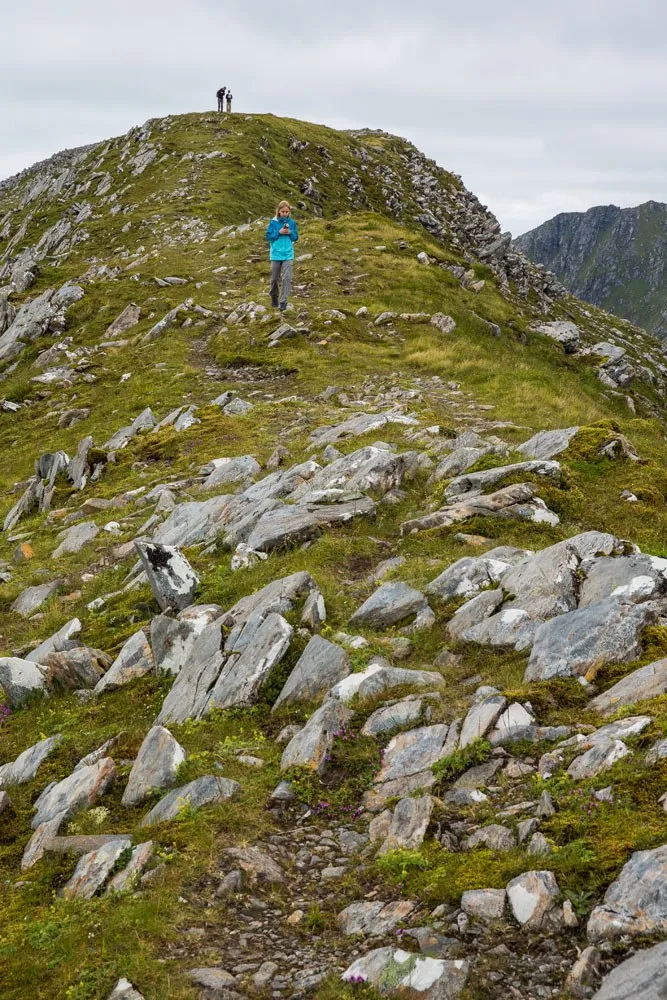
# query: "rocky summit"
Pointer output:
{"type": "Point", "coordinates": [333, 643]}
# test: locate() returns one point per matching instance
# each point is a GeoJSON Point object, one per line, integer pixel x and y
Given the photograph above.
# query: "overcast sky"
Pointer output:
{"type": "Point", "coordinates": [541, 111]}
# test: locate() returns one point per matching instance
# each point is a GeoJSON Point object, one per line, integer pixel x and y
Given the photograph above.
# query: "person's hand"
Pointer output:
{"type": "Point", "coordinates": [284, 231]}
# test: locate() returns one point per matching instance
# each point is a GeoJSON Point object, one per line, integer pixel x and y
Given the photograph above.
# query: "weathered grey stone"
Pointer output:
{"type": "Point", "coordinates": [643, 976]}
{"type": "Point", "coordinates": [494, 837]}
{"type": "Point", "coordinates": [636, 903]}
{"type": "Point", "coordinates": [128, 877]}
{"type": "Point", "coordinates": [124, 990]}
{"type": "Point", "coordinates": [260, 645]}
{"type": "Point", "coordinates": [584, 972]}
{"type": "Point", "coordinates": [379, 678]}
{"type": "Point", "coordinates": [373, 919]}
{"type": "Point", "coordinates": [33, 597]}
{"type": "Point", "coordinates": [657, 752]}
{"type": "Point", "coordinates": [190, 691]}
{"type": "Point", "coordinates": [407, 762]}
{"type": "Point", "coordinates": [474, 482]}
{"type": "Point", "coordinates": [599, 758]}
{"type": "Point", "coordinates": [125, 321]}
{"type": "Point", "coordinates": [539, 846]}
{"type": "Point", "coordinates": [26, 765]}
{"type": "Point", "coordinates": [518, 502]}
{"type": "Point", "coordinates": [200, 792]}
{"type": "Point", "coordinates": [170, 575]}
{"type": "Point", "coordinates": [81, 788]}
{"type": "Point", "coordinates": [409, 823]}
{"type": "Point", "coordinates": [295, 524]}
{"type": "Point", "coordinates": [370, 468]}
{"type": "Point", "coordinates": [605, 632]}
{"type": "Point", "coordinates": [473, 612]}
{"type": "Point", "coordinates": [400, 715]}
{"type": "Point", "coordinates": [310, 746]}
{"type": "Point", "coordinates": [173, 639]}
{"type": "Point", "coordinates": [73, 539]}
{"type": "Point", "coordinates": [321, 665]}
{"type": "Point", "coordinates": [155, 766]}
{"type": "Point", "coordinates": [457, 462]}
{"type": "Point", "coordinates": [79, 468]}
{"type": "Point", "coordinates": [40, 315]}
{"type": "Point", "coordinates": [21, 679]}
{"type": "Point", "coordinates": [390, 604]}
{"type": "Point", "coordinates": [480, 775]}
{"type": "Point", "coordinates": [546, 444]}
{"type": "Point", "coordinates": [93, 869]}
{"type": "Point", "coordinates": [280, 596]}
{"type": "Point", "coordinates": [134, 660]}
{"type": "Point", "coordinates": [515, 718]}
{"type": "Point", "coordinates": [545, 584]}
{"type": "Point", "coordinates": [314, 613]}
{"type": "Point", "coordinates": [649, 681]}
{"type": "Point", "coordinates": [74, 669]}
{"type": "Point", "coordinates": [563, 331]}
{"type": "Point", "coordinates": [56, 643]}
{"type": "Point", "coordinates": [359, 423]}
{"type": "Point", "coordinates": [229, 515]}
{"type": "Point", "coordinates": [213, 980]}
{"type": "Point", "coordinates": [230, 470]}
{"type": "Point", "coordinates": [392, 970]}
{"type": "Point", "coordinates": [532, 896]}
{"type": "Point", "coordinates": [635, 578]}
{"type": "Point", "coordinates": [480, 718]}
{"type": "Point", "coordinates": [486, 905]}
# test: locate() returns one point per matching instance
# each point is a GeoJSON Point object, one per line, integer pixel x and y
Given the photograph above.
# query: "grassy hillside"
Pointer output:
{"type": "Point", "coordinates": [201, 219]}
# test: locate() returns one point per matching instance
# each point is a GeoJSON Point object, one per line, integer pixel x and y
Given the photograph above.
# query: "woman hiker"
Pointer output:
{"type": "Point", "coordinates": [282, 234]}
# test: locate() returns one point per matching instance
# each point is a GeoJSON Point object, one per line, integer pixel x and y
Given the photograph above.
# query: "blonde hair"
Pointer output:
{"type": "Point", "coordinates": [283, 204]}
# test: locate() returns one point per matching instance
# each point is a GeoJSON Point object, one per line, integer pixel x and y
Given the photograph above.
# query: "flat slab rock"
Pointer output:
{"type": "Point", "coordinates": [171, 577]}
{"type": "Point", "coordinates": [636, 902]}
{"type": "Point", "coordinates": [33, 597]}
{"type": "Point", "coordinates": [93, 869]}
{"type": "Point", "coordinates": [409, 823]}
{"type": "Point", "coordinates": [641, 977]}
{"type": "Point", "coordinates": [393, 971]}
{"type": "Point", "coordinates": [321, 665]}
{"type": "Point", "coordinates": [134, 660]}
{"type": "Point", "coordinates": [391, 603]}
{"type": "Point", "coordinates": [208, 790]}
{"type": "Point", "coordinates": [310, 746]}
{"type": "Point", "coordinates": [256, 863]}
{"type": "Point", "coordinates": [546, 444]}
{"type": "Point", "coordinates": [608, 631]}
{"type": "Point", "coordinates": [83, 787]}
{"type": "Point", "coordinates": [649, 681]}
{"type": "Point", "coordinates": [402, 714]}
{"type": "Point", "coordinates": [373, 919]}
{"type": "Point", "coordinates": [486, 905]}
{"type": "Point", "coordinates": [26, 765]}
{"type": "Point", "coordinates": [379, 678]}
{"type": "Point", "coordinates": [407, 763]}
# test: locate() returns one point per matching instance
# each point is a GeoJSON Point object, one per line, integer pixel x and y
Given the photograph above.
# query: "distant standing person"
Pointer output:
{"type": "Point", "coordinates": [282, 233]}
{"type": "Point", "coordinates": [220, 94]}
{"type": "Point", "coordinates": [229, 101]}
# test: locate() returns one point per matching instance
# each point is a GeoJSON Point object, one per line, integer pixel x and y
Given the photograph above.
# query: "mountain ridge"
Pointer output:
{"type": "Point", "coordinates": [613, 257]}
{"type": "Point", "coordinates": [319, 632]}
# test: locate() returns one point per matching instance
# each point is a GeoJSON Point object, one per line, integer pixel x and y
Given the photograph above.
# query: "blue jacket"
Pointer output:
{"type": "Point", "coordinates": [282, 247]}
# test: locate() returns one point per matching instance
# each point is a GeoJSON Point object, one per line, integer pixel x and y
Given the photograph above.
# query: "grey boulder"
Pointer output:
{"type": "Point", "coordinates": [73, 539]}
{"type": "Point", "coordinates": [643, 976]}
{"type": "Point", "coordinates": [155, 766]}
{"type": "Point", "coordinates": [636, 903]}
{"type": "Point", "coordinates": [134, 660]}
{"type": "Point", "coordinates": [392, 970]}
{"type": "Point", "coordinates": [26, 765]}
{"type": "Point", "coordinates": [649, 681]}
{"type": "Point", "coordinates": [532, 898]}
{"type": "Point", "coordinates": [321, 665]}
{"type": "Point", "coordinates": [170, 575]}
{"type": "Point", "coordinates": [93, 869]}
{"type": "Point", "coordinates": [391, 603]}
{"type": "Point", "coordinates": [310, 746]}
{"type": "Point", "coordinates": [83, 787]}
{"type": "Point", "coordinates": [33, 597]}
{"type": "Point", "coordinates": [546, 444]}
{"type": "Point", "coordinates": [228, 471]}
{"type": "Point", "coordinates": [208, 790]}
{"type": "Point", "coordinates": [608, 631]}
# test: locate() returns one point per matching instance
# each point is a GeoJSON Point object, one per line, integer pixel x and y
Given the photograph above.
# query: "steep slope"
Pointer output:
{"type": "Point", "coordinates": [354, 709]}
{"type": "Point", "coordinates": [615, 258]}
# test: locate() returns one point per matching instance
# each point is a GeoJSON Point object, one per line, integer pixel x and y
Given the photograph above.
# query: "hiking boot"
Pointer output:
{"type": "Point", "coordinates": [274, 303]}
{"type": "Point", "coordinates": [283, 307]}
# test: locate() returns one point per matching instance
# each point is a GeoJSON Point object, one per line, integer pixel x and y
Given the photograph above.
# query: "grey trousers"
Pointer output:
{"type": "Point", "coordinates": [281, 269]}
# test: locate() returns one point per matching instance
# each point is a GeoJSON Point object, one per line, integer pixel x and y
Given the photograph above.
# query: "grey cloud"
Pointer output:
{"type": "Point", "coordinates": [539, 109]}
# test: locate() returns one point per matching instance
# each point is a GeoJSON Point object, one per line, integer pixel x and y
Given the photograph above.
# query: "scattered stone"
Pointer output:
{"type": "Point", "coordinates": [170, 575]}
{"type": "Point", "coordinates": [155, 766]}
{"type": "Point", "coordinates": [486, 905]}
{"type": "Point", "coordinates": [532, 897]}
{"type": "Point", "coordinates": [134, 660]}
{"type": "Point", "coordinates": [93, 870]}
{"type": "Point", "coordinates": [373, 919]}
{"type": "Point", "coordinates": [129, 877]}
{"type": "Point", "coordinates": [401, 715]}
{"type": "Point", "coordinates": [26, 765]}
{"type": "Point", "coordinates": [256, 863]}
{"type": "Point", "coordinates": [124, 990]}
{"type": "Point", "coordinates": [73, 539]}
{"type": "Point", "coordinates": [601, 756]}
{"type": "Point", "coordinates": [584, 972]}
{"type": "Point", "coordinates": [409, 823]}
{"type": "Point", "coordinates": [311, 745]}
{"type": "Point", "coordinates": [392, 969]}
{"type": "Point", "coordinates": [83, 787]}
{"type": "Point", "coordinates": [647, 682]}
{"type": "Point", "coordinates": [200, 792]}
{"type": "Point", "coordinates": [321, 665]}
{"type": "Point", "coordinates": [546, 444]}
{"type": "Point", "coordinates": [643, 975]}
{"type": "Point", "coordinates": [215, 980]}
{"type": "Point", "coordinates": [493, 837]}
{"type": "Point", "coordinates": [635, 903]}
{"type": "Point", "coordinates": [481, 717]}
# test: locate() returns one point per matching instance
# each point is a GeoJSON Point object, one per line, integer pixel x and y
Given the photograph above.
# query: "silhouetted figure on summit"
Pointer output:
{"type": "Point", "coordinates": [220, 94]}
{"type": "Point", "coordinates": [229, 102]}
